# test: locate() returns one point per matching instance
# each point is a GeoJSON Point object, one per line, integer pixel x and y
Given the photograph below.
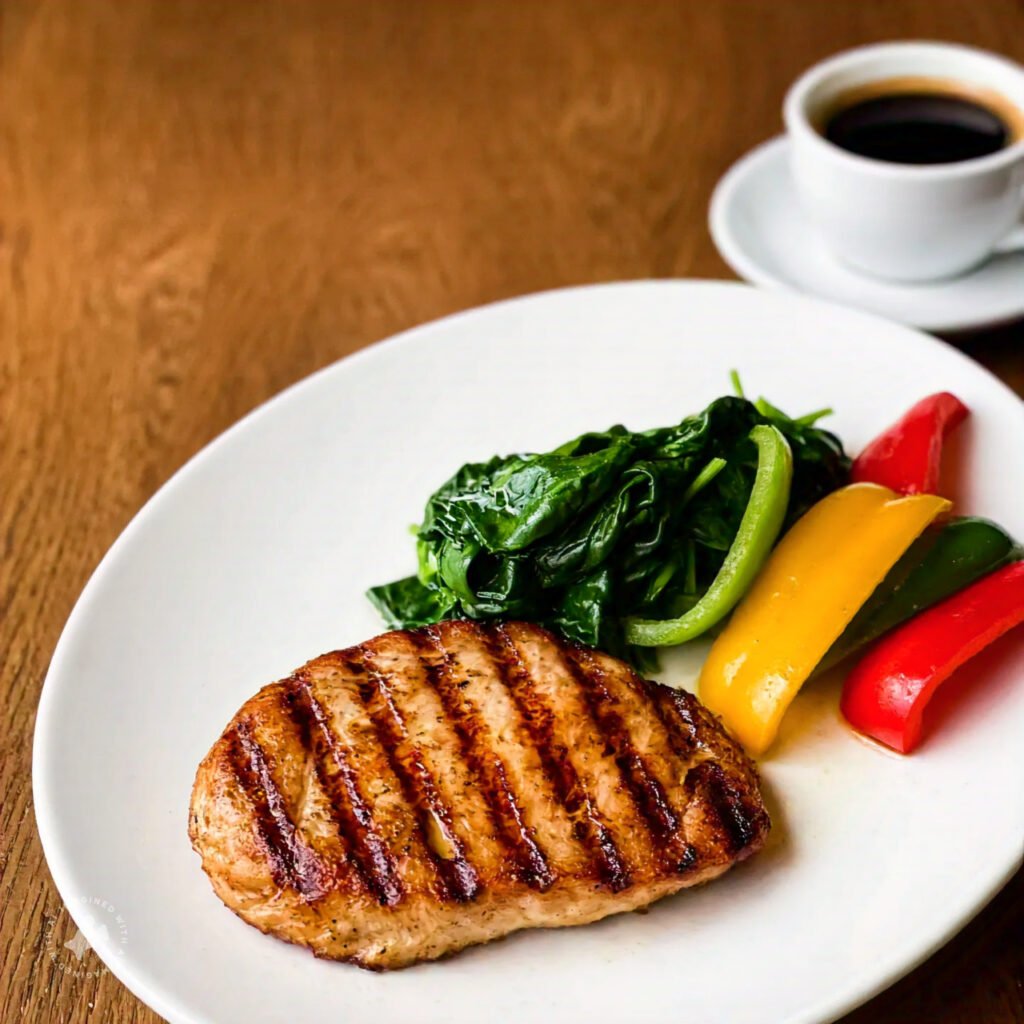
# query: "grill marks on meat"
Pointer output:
{"type": "Point", "coordinates": [647, 791]}
{"type": "Point", "coordinates": [483, 760]}
{"type": "Point", "coordinates": [340, 783]}
{"type": "Point", "coordinates": [457, 874]}
{"type": "Point", "coordinates": [437, 787]}
{"type": "Point", "coordinates": [553, 746]}
{"type": "Point", "coordinates": [291, 860]}
{"type": "Point", "coordinates": [640, 742]}
{"type": "Point", "coordinates": [725, 813]}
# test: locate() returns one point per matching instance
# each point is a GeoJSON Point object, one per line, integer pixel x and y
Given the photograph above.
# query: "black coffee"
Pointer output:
{"type": "Point", "coordinates": [918, 128]}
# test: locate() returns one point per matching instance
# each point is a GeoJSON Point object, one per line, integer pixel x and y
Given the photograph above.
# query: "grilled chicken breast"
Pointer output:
{"type": "Point", "coordinates": [439, 787]}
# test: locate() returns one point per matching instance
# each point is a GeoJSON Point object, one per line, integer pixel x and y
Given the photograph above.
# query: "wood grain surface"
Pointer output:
{"type": "Point", "coordinates": [201, 203]}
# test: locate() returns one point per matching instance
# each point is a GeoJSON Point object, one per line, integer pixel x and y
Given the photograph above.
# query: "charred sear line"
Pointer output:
{"type": "Point", "coordinates": [688, 859]}
{"type": "Point", "coordinates": [291, 861]}
{"type": "Point", "coordinates": [539, 720]}
{"type": "Point", "coordinates": [421, 793]}
{"type": "Point", "coordinates": [673, 708]}
{"type": "Point", "coordinates": [738, 825]}
{"type": "Point", "coordinates": [483, 762]}
{"type": "Point", "coordinates": [352, 815]}
{"type": "Point", "coordinates": [647, 792]}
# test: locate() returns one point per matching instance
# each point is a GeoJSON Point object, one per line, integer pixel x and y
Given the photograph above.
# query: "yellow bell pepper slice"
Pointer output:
{"type": "Point", "coordinates": [812, 585]}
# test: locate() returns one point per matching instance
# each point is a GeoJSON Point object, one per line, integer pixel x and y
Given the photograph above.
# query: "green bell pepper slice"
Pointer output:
{"type": "Point", "coordinates": [758, 530]}
{"type": "Point", "coordinates": [945, 559]}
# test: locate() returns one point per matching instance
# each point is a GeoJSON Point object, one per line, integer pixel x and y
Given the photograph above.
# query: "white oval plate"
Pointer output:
{"type": "Point", "coordinates": [256, 555]}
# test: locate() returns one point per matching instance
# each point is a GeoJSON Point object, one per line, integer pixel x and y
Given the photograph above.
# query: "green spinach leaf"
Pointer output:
{"type": "Point", "coordinates": [609, 525]}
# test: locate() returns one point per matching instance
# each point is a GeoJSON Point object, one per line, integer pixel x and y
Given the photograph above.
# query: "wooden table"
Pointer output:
{"type": "Point", "coordinates": [203, 202]}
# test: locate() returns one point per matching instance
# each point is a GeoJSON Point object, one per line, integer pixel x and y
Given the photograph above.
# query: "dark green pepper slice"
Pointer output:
{"type": "Point", "coordinates": [945, 559]}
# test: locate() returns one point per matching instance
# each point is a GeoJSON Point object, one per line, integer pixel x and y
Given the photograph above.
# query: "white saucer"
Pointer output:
{"type": "Point", "coordinates": [762, 233]}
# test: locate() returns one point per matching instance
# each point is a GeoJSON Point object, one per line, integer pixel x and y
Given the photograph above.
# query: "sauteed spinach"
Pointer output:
{"type": "Point", "coordinates": [608, 526]}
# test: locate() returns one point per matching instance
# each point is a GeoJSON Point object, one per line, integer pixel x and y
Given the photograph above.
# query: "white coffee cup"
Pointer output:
{"type": "Point", "coordinates": [908, 222]}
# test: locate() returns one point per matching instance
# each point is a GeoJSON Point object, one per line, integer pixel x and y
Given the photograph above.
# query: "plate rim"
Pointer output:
{"type": "Point", "coordinates": [60, 864]}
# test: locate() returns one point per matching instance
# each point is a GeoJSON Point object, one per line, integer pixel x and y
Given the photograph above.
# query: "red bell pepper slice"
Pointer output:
{"type": "Point", "coordinates": [886, 693]}
{"type": "Point", "coordinates": [906, 457]}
